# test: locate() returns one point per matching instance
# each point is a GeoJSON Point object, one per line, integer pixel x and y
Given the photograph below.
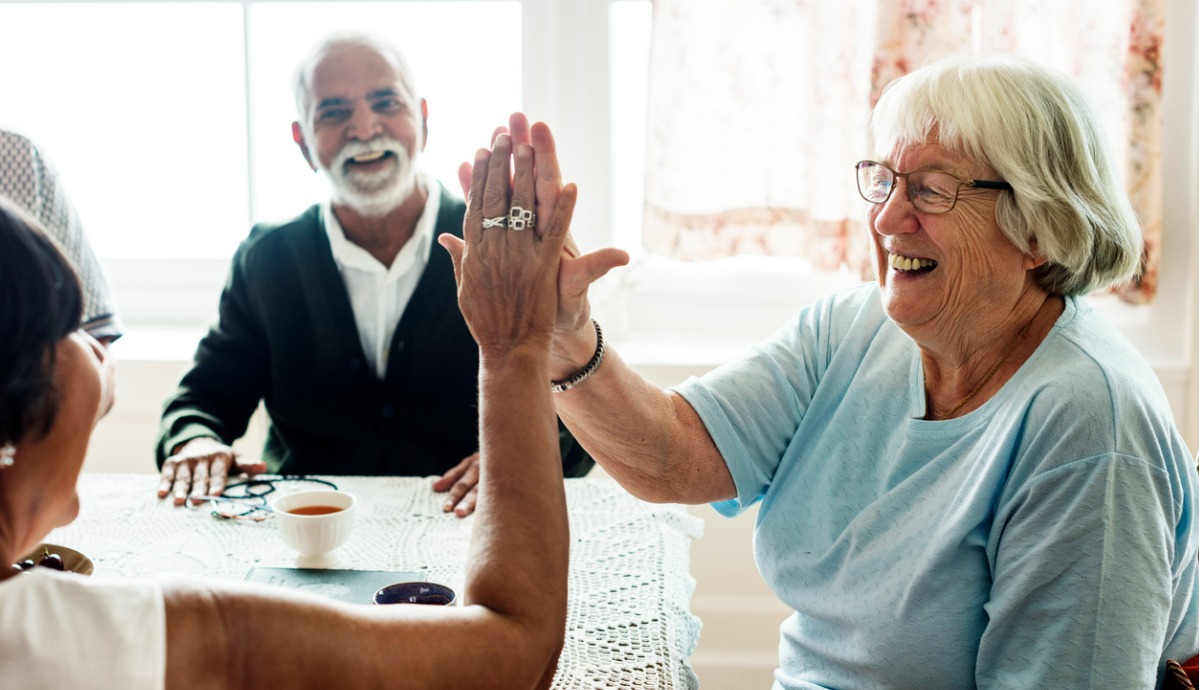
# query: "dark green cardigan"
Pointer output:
{"type": "Point", "coordinates": [286, 335]}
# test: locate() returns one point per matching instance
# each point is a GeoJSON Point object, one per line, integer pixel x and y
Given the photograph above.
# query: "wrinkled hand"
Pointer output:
{"type": "Point", "coordinates": [507, 278]}
{"type": "Point", "coordinates": [572, 325]}
{"type": "Point", "coordinates": [461, 481]}
{"type": "Point", "coordinates": [200, 467]}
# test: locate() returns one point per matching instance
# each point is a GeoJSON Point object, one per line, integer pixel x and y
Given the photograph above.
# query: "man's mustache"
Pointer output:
{"type": "Point", "coordinates": [378, 145]}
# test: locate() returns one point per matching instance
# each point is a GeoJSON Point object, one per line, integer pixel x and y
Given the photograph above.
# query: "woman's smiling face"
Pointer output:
{"type": "Point", "coordinates": [938, 272]}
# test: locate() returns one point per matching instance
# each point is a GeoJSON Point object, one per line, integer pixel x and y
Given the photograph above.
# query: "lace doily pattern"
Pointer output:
{"type": "Point", "coordinates": [629, 624]}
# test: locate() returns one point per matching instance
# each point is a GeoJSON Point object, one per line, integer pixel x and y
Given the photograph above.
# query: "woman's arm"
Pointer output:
{"type": "Point", "coordinates": [650, 440]}
{"type": "Point", "coordinates": [510, 630]}
{"type": "Point", "coordinates": [507, 635]}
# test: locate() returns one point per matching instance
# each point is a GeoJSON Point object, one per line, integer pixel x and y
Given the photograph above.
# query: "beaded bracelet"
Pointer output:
{"type": "Point", "coordinates": [588, 369]}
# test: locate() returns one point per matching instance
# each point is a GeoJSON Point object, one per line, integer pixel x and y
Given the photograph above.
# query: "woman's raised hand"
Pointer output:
{"type": "Point", "coordinates": [506, 264]}
{"type": "Point", "coordinates": [574, 337]}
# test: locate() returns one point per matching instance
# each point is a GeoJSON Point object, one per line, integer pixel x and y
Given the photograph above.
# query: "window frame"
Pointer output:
{"type": "Point", "coordinates": [157, 298]}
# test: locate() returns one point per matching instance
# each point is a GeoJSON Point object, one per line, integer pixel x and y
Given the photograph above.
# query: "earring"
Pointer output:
{"type": "Point", "coordinates": [8, 453]}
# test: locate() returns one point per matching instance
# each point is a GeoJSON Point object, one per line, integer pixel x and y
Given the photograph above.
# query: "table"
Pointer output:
{"type": "Point", "coordinates": [628, 619]}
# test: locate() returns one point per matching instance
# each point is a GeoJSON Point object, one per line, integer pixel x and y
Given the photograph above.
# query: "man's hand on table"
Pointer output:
{"type": "Point", "coordinates": [461, 481]}
{"type": "Point", "coordinates": [200, 467]}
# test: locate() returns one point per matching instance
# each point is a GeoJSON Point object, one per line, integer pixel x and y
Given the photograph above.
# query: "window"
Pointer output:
{"type": "Point", "coordinates": [470, 85]}
{"type": "Point", "coordinates": [629, 54]}
{"type": "Point", "coordinates": [171, 127]}
{"type": "Point", "coordinates": [144, 120]}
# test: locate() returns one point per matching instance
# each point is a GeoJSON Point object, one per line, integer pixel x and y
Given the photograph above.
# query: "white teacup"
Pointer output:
{"type": "Point", "coordinates": [314, 522]}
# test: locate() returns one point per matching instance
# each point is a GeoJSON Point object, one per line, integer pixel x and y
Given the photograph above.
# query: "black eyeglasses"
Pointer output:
{"type": "Point", "coordinates": [247, 500]}
{"type": "Point", "coordinates": [931, 191]}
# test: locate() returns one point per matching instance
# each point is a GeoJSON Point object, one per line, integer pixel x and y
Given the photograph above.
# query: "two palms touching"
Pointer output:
{"type": "Point", "coordinates": [575, 272]}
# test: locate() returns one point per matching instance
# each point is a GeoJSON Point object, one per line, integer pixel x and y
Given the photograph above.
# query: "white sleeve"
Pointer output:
{"type": "Point", "coordinates": [61, 630]}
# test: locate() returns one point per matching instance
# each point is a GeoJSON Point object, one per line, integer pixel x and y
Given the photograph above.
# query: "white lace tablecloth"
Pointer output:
{"type": "Point", "coordinates": [628, 620]}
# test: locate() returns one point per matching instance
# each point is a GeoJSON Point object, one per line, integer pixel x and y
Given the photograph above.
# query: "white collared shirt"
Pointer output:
{"type": "Point", "coordinates": [379, 294]}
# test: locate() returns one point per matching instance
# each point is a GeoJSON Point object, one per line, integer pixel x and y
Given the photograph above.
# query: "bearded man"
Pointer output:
{"type": "Point", "coordinates": [341, 320]}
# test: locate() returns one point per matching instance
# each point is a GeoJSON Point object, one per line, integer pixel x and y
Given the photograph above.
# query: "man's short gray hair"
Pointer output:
{"type": "Point", "coordinates": [302, 80]}
{"type": "Point", "coordinates": [1032, 126]}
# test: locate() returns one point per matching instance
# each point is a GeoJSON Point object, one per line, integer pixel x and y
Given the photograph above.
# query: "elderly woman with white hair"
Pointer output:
{"type": "Point", "coordinates": [966, 476]}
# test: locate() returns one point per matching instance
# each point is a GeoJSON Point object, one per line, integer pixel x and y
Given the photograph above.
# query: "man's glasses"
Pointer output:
{"type": "Point", "coordinates": [931, 191]}
{"type": "Point", "coordinates": [247, 500]}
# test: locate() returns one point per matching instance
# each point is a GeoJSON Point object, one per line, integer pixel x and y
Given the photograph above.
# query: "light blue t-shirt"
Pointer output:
{"type": "Point", "coordinates": [1046, 539]}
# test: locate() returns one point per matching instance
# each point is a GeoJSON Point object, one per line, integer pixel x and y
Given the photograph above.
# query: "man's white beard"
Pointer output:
{"type": "Point", "coordinates": [372, 194]}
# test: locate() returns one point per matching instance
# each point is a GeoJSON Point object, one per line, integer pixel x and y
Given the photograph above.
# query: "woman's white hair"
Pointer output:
{"type": "Point", "coordinates": [1035, 129]}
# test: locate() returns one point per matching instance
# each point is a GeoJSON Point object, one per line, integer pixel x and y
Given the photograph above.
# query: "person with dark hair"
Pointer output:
{"type": "Point", "coordinates": [63, 630]}
{"type": "Point", "coordinates": [342, 321]}
{"type": "Point", "coordinates": [29, 181]}
{"type": "Point", "coordinates": [30, 318]}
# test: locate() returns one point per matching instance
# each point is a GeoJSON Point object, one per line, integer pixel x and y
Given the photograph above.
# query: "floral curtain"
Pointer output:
{"type": "Point", "coordinates": [755, 117]}
{"type": "Point", "coordinates": [757, 110]}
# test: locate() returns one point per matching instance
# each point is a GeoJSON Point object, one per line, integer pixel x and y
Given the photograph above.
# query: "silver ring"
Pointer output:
{"type": "Point", "coordinates": [497, 222]}
{"type": "Point", "coordinates": [521, 218]}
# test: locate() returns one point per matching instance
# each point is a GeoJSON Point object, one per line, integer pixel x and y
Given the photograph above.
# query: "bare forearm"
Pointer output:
{"type": "Point", "coordinates": [246, 636]}
{"type": "Point", "coordinates": [519, 547]}
{"type": "Point", "coordinates": [650, 441]}
{"type": "Point", "coordinates": [509, 632]}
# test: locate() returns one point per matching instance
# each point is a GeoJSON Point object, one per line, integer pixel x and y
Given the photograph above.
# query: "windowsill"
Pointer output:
{"type": "Point", "coordinates": [142, 343]}
{"type": "Point", "coordinates": [660, 312]}
{"type": "Point", "coordinates": [665, 313]}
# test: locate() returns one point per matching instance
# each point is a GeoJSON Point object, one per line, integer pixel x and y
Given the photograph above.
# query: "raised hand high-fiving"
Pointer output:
{"type": "Point", "coordinates": [506, 264]}
{"type": "Point", "coordinates": [574, 338]}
